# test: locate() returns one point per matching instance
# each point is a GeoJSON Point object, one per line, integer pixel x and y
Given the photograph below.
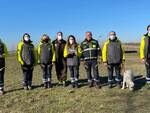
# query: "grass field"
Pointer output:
{"type": "Point", "coordinates": [82, 100]}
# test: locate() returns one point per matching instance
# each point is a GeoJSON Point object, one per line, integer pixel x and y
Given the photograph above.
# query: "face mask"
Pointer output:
{"type": "Point", "coordinates": [112, 37]}
{"type": "Point", "coordinates": [71, 41]}
{"type": "Point", "coordinates": [59, 37]}
{"type": "Point", "coordinates": [26, 38]}
{"type": "Point", "coordinates": [149, 32]}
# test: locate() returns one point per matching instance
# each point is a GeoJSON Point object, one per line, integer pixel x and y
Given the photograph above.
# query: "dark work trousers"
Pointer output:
{"type": "Point", "coordinates": [92, 66]}
{"type": "Point", "coordinates": [147, 65]}
{"type": "Point", "coordinates": [61, 70]}
{"type": "Point", "coordinates": [74, 73]}
{"type": "Point", "coordinates": [117, 69]}
{"type": "Point", "coordinates": [2, 70]}
{"type": "Point", "coordinates": [27, 75]}
{"type": "Point", "coordinates": [46, 69]}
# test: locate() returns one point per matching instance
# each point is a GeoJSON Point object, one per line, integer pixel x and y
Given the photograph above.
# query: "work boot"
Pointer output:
{"type": "Point", "coordinates": [72, 85]}
{"type": "Point", "coordinates": [97, 85]}
{"type": "Point", "coordinates": [64, 83]}
{"type": "Point", "coordinates": [90, 84]}
{"type": "Point", "coordinates": [25, 88]}
{"type": "Point", "coordinates": [45, 85]}
{"type": "Point", "coordinates": [30, 87]}
{"type": "Point", "coordinates": [1, 92]}
{"type": "Point", "coordinates": [76, 84]}
{"type": "Point", "coordinates": [119, 85]}
{"type": "Point", "coordinates": [49, 85]}
{"type": "Point", "coordinates": [148, 86]}
{"type": "Point", "coordinates": [110, 85]}
{"type": "Point", "coordinates": [60, 83]}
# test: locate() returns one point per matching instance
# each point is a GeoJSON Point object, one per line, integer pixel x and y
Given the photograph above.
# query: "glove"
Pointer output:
{"type": "Point", "coordinates": [99, 60]}
{"type": "Point", "coordinates": [42, 65]}
{"type": "Point", "coordinates": [105, 63]}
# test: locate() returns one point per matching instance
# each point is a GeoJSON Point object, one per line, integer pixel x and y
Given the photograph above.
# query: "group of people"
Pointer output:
{"type": "Point", "coordinates": [69, 55]}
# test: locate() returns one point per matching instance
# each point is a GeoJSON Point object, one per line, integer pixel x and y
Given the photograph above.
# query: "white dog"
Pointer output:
{"type": "Point", "coordinates": [128, 80]}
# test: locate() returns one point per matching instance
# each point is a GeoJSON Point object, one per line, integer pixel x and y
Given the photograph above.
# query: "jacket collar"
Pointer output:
{"type": "Point", "coordinates": [87, 40]}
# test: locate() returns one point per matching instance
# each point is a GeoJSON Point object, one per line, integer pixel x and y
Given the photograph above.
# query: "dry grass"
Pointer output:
{"type": "Point", "coordinates": [82, 100]}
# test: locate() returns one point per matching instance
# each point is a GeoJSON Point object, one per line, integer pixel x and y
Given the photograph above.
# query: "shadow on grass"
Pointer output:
{"type": "Point", "coordinates": [103, 82]}
{"type": "Point", "coordinates": [36, 86]}
{"type": "Point", "coordinates": [83, 82]}
{"type": "Point", "coordinates": [139, 82]}
{"type": "Point", "coordinates": [19, 89]}
{"type": "Point", "coordinates": [13, 90]}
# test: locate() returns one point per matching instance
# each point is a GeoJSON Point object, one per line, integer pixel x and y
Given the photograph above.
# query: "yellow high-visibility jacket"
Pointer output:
{"type": "Point", "coordinates": [105, 50]}
{"type": "Point", "coordinates": [53, 52]}
{"type": "Point", "coordinates": [19, 54]}
{"type": "Point", "coordinates": [142, 46]}
{"type": "Point", "coordinates": [78, 50]}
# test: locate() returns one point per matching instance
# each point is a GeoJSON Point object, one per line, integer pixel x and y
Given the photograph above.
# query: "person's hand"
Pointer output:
{"type": "Point", "coordinates": [82, 62]}
{"type": "Point", "coordinates": [53, 63]}
{"type": "Point", "coordinates": [105, 63]}
{"type": "Point", "coordinates": [42, 65]}
{"type": "Point", "coordinates": [99, 60]}
{"type": "Point", "coordinates": [1, 56]}
{"type": "Point", "coordinates": [76, 53]}
{"type": "Point", "coordinates": [143, 61]}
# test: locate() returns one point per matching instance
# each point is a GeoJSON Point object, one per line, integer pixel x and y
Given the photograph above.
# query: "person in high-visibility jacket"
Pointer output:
{"type": "Point", "coordinates": [72, 52]}
{"type": "Point", "coordinates": [91, 55]}
{"type": "Point", "coordinates": [60, 63]}
{"type": "Point", "coordinates": [145, 53]}
{"type": "Point", "coordinates": [3, 53]}
{"type": "Point", "coordinates": [27, 59]}
{"type": "Point", "coordinates": [46, 58]}
{"type": "Point", "coordinates": [113, 56]}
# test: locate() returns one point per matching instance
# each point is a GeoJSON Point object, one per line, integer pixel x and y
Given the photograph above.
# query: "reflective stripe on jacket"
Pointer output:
{"type": "Point", "coordinates": [90, 49]}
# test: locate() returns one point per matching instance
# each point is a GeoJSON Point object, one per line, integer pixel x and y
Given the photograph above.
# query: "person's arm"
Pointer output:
{"type": "Point", "coordinates": [82, 57]}
{"type": "Point", "coordinates": [19, 50]}
{"type": "Point", "coordinates": [123, 53]}
{"type": "Point", "coordinates": [142, 48]}
{"type": "Point", "coordinates": [104, 53]}
{"type": "Point", "coordinates": [54, 54]}
{"type": "Point", "coordinates": [99, 52]}
{"type": "Point", "coordinates": [34, 56]}
{"type": "Point", "coordinates": [65, 51]}
{"type": "Point", "coordinates": [39, 53]}
{"type": "Point", "coordinates": [79, 51]}
{"type": "Point", "coordinates": [5, 52]}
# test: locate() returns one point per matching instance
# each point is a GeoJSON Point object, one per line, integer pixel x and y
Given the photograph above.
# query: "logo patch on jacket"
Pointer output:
{"type": "Point", "coordinates": [94, 46]}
